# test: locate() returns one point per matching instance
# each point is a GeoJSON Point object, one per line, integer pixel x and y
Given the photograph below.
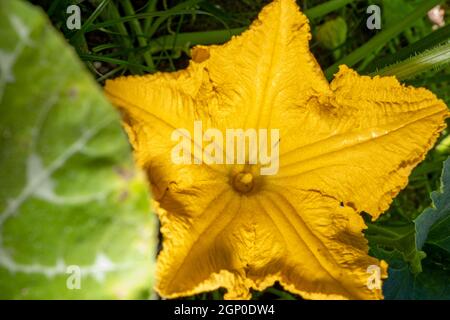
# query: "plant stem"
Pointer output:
{"type": "Point", "coordinates": [98, 10]}
{"type": "Point", "coordinates": [113, 13]}
{"type": "Point", "coordinates": [157, 23]}
{"type": "Point", "coordinates": [182, 41]}
{"type": "Point", "coordinates": [431, 59]}
{"type": "Point", "coordinates": [151, 7]}
{"type": "Point", "coordinates": [324, 9]}
{"type": "Point", "coordinates": [137, 29]}
{"type": "Point", "coordinates": [433, 39]}
{"type": "Point", "coordinates": [114, 61]}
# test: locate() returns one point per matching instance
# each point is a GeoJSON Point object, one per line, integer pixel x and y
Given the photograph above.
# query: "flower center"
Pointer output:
{"type": "Point", "coordinates": [243, 182]}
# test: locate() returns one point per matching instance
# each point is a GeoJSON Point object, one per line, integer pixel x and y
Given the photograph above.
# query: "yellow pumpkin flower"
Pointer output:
{"type": "Point", "coordinates": [344, 147]}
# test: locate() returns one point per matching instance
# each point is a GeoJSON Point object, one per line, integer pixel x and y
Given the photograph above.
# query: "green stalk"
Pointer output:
{"type": "Point", "coordinates": [367, 60]}
{"type": "Point", "coordinates": [119, 62]}
{"type": "Point", "coordinates": [78, 39]}
{"type": "Point", "coordinates": [136, 27]}
{"type": "Point", "coordinates": [138, 16]}
{"type": "Point", "coordinates": [433, 39]}
{"type": "Point", "coordinates": [113, 13]}
{"type": "Point", "coordinates": [151, 7]}
{"type": "Point", "coordinates": [383, 37]}
{"type": "Point", "coordinates": [110, 74]}
{"type": "Point", "coordinates": [327, 7]}
{"type": "Point", "coordinates": [157, 23]}
{"type": "Point", "coordinates": [182, 41]}
{"type": "Point", "coordinates": [435, 58]}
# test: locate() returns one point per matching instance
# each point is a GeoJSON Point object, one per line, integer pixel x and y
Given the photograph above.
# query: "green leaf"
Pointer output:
{"type": "Point", "coordinates": [408, 238]}
{"type": "Point", "coordinates": [433, 225]}
{"type": "Point", "coordinates": [69, 195]}
{"type": "Point", "coordinates": [418, 252]}
{"type": "Point", "coordinates": [399, 237]}
{"type": "Point", "coordinates": [432, 283]}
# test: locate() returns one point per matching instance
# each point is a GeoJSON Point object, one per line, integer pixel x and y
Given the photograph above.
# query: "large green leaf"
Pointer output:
{"type": "Point", "coordinates": [399, 237]}
{"type": "Point", "coordinates": [433, 225]}
{"type": "Point", "coordinates": [69, 194]}
{"type": "Point", "coordinates": [432, 283]}
{"type": "Point", "coordinates": [408, 238]}
{"type": "Point", "coordinates": [418, 252]}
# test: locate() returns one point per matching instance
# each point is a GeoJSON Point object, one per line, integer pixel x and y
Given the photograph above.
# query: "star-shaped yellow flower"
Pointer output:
{"type": "Point", "coordinates": [344, 148]}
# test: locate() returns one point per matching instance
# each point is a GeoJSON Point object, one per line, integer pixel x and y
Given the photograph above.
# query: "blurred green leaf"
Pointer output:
{"type": "Point", "coordinates": [69, 194]}
{"type": "Point", "coordinates": [332, 34]}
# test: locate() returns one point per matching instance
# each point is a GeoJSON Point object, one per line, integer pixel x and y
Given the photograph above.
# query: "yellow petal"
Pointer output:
{"type": "Point", "coordinates": [267, 69]}
{"type": "Point", "coordinates": [344, 148]}
{"type": "Point", "coordinates": [153, 107]}
{"type": "Point", "coordinates": [362, 142]}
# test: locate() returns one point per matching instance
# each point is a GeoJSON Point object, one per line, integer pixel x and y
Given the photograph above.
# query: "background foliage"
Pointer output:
{"type": "Point", "coordinates": [140, 36]}
{"type": "Point", "coordinates": [69, 195]}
